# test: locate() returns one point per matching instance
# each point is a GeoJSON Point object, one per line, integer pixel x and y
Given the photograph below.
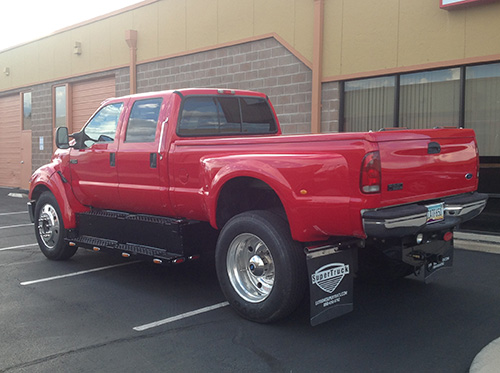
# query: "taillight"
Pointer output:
{"type": "Point", "coordinates": [226, 92]}
{"type": "Point", "coordinates": [371, 174]}
{"type": "Point", "coordinates": [477, 161]}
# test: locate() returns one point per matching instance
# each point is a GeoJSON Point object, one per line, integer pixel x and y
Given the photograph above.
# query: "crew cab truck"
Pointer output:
{"type": "Point", "coordinates": [168, 175]}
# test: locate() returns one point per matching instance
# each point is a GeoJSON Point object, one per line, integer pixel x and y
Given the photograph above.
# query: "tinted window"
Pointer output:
{"type": "Point", "coordinates": [143, 120]}
{"type": "Point", "coordinates": [208, 116]}
{"type": "Point", "coordinates": [102, 127]}
{"type": "Point", "coordinates": [257, 116]}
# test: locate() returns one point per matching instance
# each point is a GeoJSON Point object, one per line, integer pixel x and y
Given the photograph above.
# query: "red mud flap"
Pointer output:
{"type": "Point", "coordinates": [331, 271]}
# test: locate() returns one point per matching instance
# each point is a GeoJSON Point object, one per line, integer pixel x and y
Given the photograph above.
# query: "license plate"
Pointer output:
{"type": "Point", "coordinates": [435, 213]}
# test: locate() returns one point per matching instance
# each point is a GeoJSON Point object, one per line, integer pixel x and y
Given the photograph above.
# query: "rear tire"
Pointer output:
{"type": "Point", "coordinates": [261, 269]}
{"type": "Point", "coordinates": [49, 229]}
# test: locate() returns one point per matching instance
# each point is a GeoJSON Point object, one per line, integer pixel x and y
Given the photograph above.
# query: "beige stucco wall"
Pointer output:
{"type": "Point", "coordinates": [165, 28]}
{"type": "Point", "coordinates": [360, 37]}
{"type": "Point", "coordinates": [371, 36]}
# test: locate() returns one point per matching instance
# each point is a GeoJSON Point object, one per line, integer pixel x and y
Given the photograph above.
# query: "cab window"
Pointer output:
{"type": "Point", "coordinates": [143, 120]}
{"type": "Point", "coordinates": [102, 126]}
{"type": "Point", "coordinates": [212, 116]}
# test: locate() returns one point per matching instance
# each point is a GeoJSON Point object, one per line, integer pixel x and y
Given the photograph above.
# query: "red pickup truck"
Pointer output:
{"type": "Point", "coordinates": [170, 175]}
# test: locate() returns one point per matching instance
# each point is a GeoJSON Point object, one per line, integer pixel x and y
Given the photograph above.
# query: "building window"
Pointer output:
{"type": "Point", "coordinates": [369, 104]}
{"type": "Point", "coordinates": [27, 104]}
{"type": "Point", "coordinates": [61, 112]}
{"type": "Point", "coordinates": [482, 106]}
{"type": "Point", "coordinates": [429, 99]}
{"type": "Point", "coordinates": [467, 96]}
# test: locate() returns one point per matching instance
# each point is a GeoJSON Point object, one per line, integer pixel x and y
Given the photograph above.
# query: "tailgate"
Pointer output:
{"type": "Point", "coordinates": [426, 164]}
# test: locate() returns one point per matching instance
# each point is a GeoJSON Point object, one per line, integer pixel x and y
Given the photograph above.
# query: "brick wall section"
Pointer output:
{"type": "Point", "coordinates": [41, 124]}
{"type": "Point", "coordinates": [330, 107]}
{"type": "Point", "coordinates": [265, 66]}
{"type": "Point", "coordinates": [122, 77]}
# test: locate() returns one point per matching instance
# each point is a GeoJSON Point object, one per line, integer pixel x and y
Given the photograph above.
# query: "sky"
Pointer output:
{"type": "Point", "coordinates": [22, 21]}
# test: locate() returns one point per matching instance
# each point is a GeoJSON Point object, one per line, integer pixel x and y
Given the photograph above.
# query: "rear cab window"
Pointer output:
{"type": "Point", "coordinates": [217, 116]}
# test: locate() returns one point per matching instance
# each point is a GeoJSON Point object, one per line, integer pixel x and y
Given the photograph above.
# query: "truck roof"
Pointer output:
{"type": "Point", "coordinates": [191, 92]}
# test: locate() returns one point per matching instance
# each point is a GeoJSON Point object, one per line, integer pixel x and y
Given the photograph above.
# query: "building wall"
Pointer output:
{"type": "Point", "coordinates": [263, 65]}
{"type": "Point", "coordinates": [372, 37]}
{"type": "Point", "coordinates": [166, 28]}
{"type": "Point", "coordinates": [251, 44]}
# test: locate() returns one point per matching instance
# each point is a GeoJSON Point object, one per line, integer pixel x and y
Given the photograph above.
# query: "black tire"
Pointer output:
{"type": "Point", "coordinates": [49, 229]}
{"type": "Point", "coordinates": [271, 279]}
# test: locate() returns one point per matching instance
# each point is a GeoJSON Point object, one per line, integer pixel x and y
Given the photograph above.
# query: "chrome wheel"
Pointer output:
{"type": "Point", "coordinates": [48, 226]}
{"type": "Point", "coordinates": [250, 268]}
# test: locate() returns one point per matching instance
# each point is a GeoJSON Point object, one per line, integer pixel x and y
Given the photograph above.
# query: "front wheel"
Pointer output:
{"type": "Point", "coordinates": [261, 269]}
{"type": "Point", "coordinates": [49, 229]}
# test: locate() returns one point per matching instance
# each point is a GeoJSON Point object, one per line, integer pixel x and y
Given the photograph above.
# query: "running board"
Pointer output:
{"type": "Point", "coordinates": [128, 250]}
{"type": "Point", "coordinates": [151, 236]}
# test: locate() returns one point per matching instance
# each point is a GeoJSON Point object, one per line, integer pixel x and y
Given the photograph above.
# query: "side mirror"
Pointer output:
{"type": "Point", "coordinates": [62, 138]}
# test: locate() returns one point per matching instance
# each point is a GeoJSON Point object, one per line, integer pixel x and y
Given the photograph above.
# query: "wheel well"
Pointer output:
{"type": "Point", "coordinates": [37, 192]}
{"type": "Point", "coordinates": [245, 194]}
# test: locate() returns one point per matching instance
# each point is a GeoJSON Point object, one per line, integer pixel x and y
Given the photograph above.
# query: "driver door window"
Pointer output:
{"type": "Point", "coordinates": [102, 127]}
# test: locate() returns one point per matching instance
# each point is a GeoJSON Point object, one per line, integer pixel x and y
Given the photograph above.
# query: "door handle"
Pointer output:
{"type": "Point", "coordinates": [433, 148]}
{"type": "Point", "coordinates": [153, 160]}
{"type": "Point", "coordinates": [112, 159]}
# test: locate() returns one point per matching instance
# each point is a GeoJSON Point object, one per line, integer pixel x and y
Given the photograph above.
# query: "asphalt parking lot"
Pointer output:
{"type": "Point", "coordinates": [97, 313]}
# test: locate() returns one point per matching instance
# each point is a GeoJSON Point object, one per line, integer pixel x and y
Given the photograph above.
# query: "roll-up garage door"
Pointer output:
{"type": "Point", "coordinates": [87, 96]}
{"type": "Point", "coordinates": [10, 141]}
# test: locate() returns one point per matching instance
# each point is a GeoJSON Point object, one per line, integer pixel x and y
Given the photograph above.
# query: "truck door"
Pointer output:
{"type": "Point", "coordinates": [141, 188]}
{"type": "Point", "coordinates": [93, 164]}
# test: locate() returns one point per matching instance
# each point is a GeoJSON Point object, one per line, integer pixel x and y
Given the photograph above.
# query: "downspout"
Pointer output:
{"type": "Point", "coordinates": [131, 39]}
{"type": "Point", "coordinates": [317, 66]}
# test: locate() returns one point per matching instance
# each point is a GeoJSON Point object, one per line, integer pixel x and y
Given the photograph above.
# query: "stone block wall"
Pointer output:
{"type": "Point", "coordinates": [41, 98]}
{"type": "Point", "coordinates": [265, 66]}
{"type": "Point", "coordinates": [330, 105]}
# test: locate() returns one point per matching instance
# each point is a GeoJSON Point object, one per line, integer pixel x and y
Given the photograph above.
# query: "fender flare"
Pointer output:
{"type": "Point", "coordinates": [53, 182]}
{"type": "Point", "coordinates": [255, 169]}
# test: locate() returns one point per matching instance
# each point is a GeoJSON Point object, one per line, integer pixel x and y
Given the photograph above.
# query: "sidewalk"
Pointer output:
{"type": "Point", "coordinates": [477, 242]}
{"type": "Point", "coordinates": [488, 359]}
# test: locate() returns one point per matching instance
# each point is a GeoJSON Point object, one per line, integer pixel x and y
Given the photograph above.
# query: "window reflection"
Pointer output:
{"type": "Point", "coordinates": [369, 104]}
{"type": "Point", "coordinates": [27, 105]}
{"type": "Point", "coordinates": [482, 106]}
{"type": "Point", "coordinates": [430, 99]}
{"type": "Point", "coordinates": [60, 106]}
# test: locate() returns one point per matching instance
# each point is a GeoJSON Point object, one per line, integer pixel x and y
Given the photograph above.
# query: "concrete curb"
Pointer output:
{"type": "Point", "coordinates": [18, 195]}
{"type": "Point", "coordinates": [477, 242]}
{"type": "Point", "coordinates": [488, 360]}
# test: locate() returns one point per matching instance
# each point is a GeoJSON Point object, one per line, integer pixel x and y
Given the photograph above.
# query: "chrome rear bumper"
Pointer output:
{"type": "Point", "coordinates": [411, 219]}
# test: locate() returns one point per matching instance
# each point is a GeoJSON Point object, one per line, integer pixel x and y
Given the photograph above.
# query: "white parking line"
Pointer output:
{"type": "Point", "coordinates": [16, 226]}
{"type": "Point", "coordinates": [18, 247]}
{"type": "Point", "coordinates": [13, 213]}
{"type": "Point", "coordinates": [180, 317]}
{"type": "Point", "coordinates": [76, 273]}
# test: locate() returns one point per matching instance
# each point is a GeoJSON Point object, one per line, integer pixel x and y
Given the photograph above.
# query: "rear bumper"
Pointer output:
{"type": "Point", "coordinates": [411, 219]}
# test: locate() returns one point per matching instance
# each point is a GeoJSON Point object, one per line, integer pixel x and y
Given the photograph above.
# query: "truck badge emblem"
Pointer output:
{"type": "Point", "coordinates": [468, 176]}
{"type": "Point", "coordinates": [330, 276]}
